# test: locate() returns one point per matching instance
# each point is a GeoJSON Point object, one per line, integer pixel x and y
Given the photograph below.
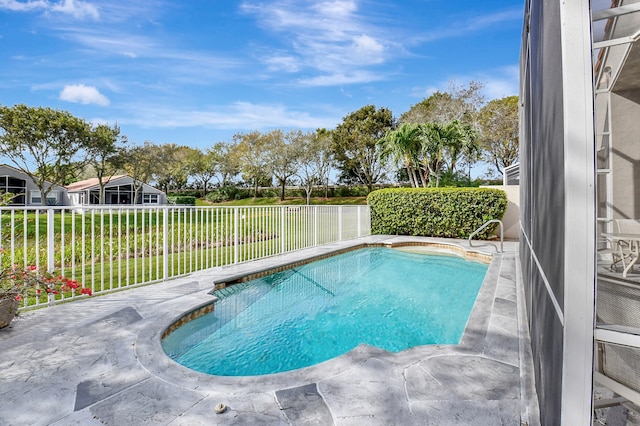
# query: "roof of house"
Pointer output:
{"type": "Point", "coordinates": [88, 183]}
{"type": "Point", "coordinates": [14, 171]}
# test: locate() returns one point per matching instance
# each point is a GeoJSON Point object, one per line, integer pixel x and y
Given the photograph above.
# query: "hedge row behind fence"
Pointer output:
{"type": "Point", "coordinates": [181, 200]}
{"type": "Point", "coordinates": [435, 212]}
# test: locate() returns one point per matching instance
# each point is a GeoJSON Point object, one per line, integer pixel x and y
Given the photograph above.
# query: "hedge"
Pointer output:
{"type": "Point", "coordinates": [181, 200]}
{"type": "Point", "coordinates": [435, 212]}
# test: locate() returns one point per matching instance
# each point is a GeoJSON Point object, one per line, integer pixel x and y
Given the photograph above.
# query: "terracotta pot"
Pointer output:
{"type": "Point", "coordinates": [8, 310]}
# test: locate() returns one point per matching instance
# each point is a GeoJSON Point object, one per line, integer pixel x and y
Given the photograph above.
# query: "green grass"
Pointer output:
{"type": "Point", "coordinates": [194, 240]}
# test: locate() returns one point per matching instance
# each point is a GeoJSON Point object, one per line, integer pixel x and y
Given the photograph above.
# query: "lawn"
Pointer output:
{"type": "Point", "coordinates": [105, 249]}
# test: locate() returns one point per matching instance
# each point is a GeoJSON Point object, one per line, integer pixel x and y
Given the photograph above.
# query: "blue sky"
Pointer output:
{"type": "Point", "coordinates": [195, 72]}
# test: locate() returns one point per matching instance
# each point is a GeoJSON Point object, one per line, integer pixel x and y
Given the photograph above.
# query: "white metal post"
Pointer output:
{"type": "Point", "coordinates": [236, 235]}
{"type": "Point", "coordinates": [339, 223]}
{"type": "Point", "coordinates": [283, 243]}
{"type": "Point", "coordinates": [315, 225]}
{"type": "Point", "coordinates": [165, 243]}
{"type": "Point", "coordinates": [579, 173]}
{"type": "Point", "coordinates": [51, 264]}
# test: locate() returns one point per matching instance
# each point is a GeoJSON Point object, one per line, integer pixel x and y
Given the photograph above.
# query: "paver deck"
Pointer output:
{"type": "Point", "coordinates": [99, 361]}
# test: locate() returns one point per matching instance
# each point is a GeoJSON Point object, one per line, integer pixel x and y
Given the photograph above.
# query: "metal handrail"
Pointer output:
{"type": "Point", "coordinates": [484, 225]}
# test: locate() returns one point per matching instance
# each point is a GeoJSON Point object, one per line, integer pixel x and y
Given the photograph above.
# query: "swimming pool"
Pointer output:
{"type": "Point", "coordinates": [382, 297]}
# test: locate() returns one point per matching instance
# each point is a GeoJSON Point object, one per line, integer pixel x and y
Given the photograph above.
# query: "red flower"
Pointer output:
{"type": "Point", "coordinates": [29, 281]}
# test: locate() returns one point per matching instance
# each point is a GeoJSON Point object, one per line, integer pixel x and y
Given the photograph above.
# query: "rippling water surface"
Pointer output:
{"type": "Point", "coordinates": [378, 296]}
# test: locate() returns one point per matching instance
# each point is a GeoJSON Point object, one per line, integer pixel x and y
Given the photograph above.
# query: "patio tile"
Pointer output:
{"type": "Point", "coordinates": [99, 361]}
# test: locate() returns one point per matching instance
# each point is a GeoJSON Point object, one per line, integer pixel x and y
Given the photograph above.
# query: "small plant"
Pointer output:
{"type": "Point", "coordinates": [19, 283]}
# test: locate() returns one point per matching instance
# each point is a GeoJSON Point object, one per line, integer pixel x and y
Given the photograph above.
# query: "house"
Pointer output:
{"type": "Point", "coordinates": [26, 192]}
{"type": "Point", "coordinates": [120, 190]}
{"type": "Point", "coordinates": [579, 169]}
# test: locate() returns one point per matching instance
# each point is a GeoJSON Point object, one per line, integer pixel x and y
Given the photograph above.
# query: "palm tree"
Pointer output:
{"type": "Point", "coordinates": [403, 145]}
{"type": "Point", "coordinates": [433, 138]}
{"type": "Point", "coordinates": [463, 140]}
{"type": "Point", "coordinates": [442, 140]}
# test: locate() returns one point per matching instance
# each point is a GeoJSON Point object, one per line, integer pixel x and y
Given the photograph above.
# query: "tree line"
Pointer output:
{"type": "Point", "coordinates": [437, 137]}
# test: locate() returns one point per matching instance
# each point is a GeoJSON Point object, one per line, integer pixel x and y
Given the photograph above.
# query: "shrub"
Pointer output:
{"type": "Point", "coordinates": [185, 193]}
{"type": "Point", "coordinates": [227, 193]}
{"type": "Point", "coordinates": [216, 196]}
{"type": "Point", "coordinates": [351, 191]}
{"type": "Point", "coordinates": [435, 212]}
{"type": "Point", "coordinates": [181, 200]}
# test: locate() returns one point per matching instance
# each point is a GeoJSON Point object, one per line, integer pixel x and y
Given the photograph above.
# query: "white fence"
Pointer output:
{"type": "Point", "coordinates": [107, 248]}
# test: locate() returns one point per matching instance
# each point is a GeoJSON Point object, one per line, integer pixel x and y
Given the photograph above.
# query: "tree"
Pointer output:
{"type": "Point", "coordinates": [463, 142]}
{"type": "Point", "coordinates": [172, 169]}
{"type": "Point", "coordinates": [105, 154]}
{"type": "Point", "coordinates": [325, 159]}
{"type": "Point", "coordinates": [314, 159]}
{"type": "Point", "coordinates": [140, 163]}
{"type": "Point", "coordinates": [203, 167]}
{"type": "Point", "coordinates": [460, 102]}
{"type": "Point", "coordinates": [283, 156]}
{"type": "Point", "coordinates": [499, 123]}
{"type": "Point", "coordinates": [251, 150]}
{"type": "Point", "coordinates": [355, 144]}
{"type": "Point", "coordinates": [433, 140]}
{"type": "Point", "coordinates": [438, 139]}
{"type": "Point", "coordinates": [223, 154]}
{"type": "Point", "coordinates": [44, 143]}
{"type": "Point", "coordinates": [403, 146]}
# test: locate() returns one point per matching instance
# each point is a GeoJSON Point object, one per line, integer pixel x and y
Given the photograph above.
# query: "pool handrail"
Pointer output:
{"type": "Point", "coordinates": [484, 225]}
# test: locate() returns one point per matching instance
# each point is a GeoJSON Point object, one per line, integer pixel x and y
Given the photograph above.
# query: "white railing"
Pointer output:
{"type": "Point", "coordinates": [107, 248]}
{"type": "Point", "coordinates": [511, 174]}
{"type": "Point", "coordinates": [484, 225]}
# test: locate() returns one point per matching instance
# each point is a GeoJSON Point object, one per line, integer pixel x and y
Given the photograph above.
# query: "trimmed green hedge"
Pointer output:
{"type": "Point", "coordinates": [435, 212]}
{"type": "Point", "coordinates": [181, 200]}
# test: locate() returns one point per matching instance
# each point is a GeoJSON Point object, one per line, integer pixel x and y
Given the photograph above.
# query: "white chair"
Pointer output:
{"type": "Point", "coordinates": [617, 366]}
{"type": "Point", "coordinates": [624, 251]}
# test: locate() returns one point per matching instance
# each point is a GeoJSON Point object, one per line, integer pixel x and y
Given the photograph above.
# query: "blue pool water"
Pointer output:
{"type": "Point", "coordinates": [382, 297]}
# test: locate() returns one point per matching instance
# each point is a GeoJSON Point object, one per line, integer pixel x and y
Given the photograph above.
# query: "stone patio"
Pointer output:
{"type": "Point", "coordinates": [99, 361]}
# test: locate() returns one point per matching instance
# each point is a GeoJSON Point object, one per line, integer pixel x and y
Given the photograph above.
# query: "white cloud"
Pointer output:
{"type": "Point", "coordinates": [336, 8]}
{"type": "Point", "coordinates": [368, 49]}
{"type": "Point", "coordinates": [335, 38]}
{"type": "Point", "coordinates": [77, 8]}
{"type": "Point", "coordinates": [498, 83]}
{"type": "Point", "coordinates": [424, 92]}
{"type": "Point", "coordinates": [236, 116]}
{"type": "Point", "coordinates": [338, 79]}
{"type": "Point", "coordinates": [23, 6]}
{"type": "Point", "coordinates": [79, 93]}
{"type": "Point", "coordinates": [286, 63]}
{"type": "Point", "coordinates": [500, 88]}
{"type": "Point", "coordinates": [490, 20]}
{"type": "Point", "coordinates": [463, 28]}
